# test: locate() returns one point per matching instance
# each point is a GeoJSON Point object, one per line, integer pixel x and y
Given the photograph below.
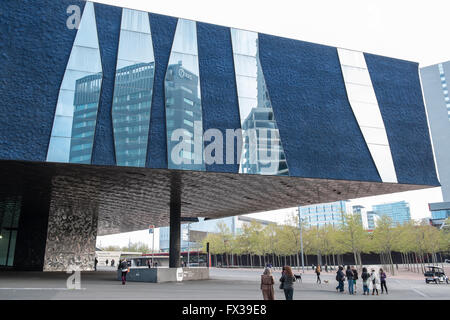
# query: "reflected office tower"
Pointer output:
{"type": "Point", "coordinates": [131, 113]}
{"type": "Point", "coordinates": [183, 101]}
{"type": "Point", "coordinates": [87, 91]}
{"type": "Point", "coordinates": [262, 151]}
{"type": "Point", "coordinates": [183, 107]}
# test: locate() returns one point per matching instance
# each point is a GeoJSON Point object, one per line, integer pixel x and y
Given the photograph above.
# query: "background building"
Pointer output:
{"type": "Point", "coordinates": [439, 213]}
{"type": "Point", "coordinates": [362, 212]}
{"type": "Point", "coordinates": [397, 211]}
{"type": "Point", "coordinates": [232, 224]}
{"type": "Point", "coordinates": [325, 213]}
{"type": "Point", "coordinates": [435, 83]}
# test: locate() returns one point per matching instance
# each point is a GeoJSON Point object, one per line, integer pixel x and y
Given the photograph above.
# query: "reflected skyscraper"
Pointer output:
{"type": "Point", "coordinates": [262, 150]}
{"type": "Point", "coordinates": [87, 91]}
{"type": "Point", "coordinates": [183, 108]}
{"type": "Point", "coordinates": [131, 112]}
{"type": "Point", "coordinates": [183, 100]}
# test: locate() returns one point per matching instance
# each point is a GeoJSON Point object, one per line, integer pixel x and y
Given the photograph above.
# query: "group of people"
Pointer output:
{"type": "Point", "coordinates": [106, 263]}
{"type": "Point", "coordinates": [371, 281]}
{"type": "Point", "coordinates": [286, 283]}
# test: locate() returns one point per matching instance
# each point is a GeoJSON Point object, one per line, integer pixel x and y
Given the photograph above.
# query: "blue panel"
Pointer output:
{"type": "Point", "coordinates": [397, 87]}
{"type": "Point", "coordinates": [34, 48]}
{"type": "Point", "coordinates": [163, 30]}
{"type": "Point", "coordinates": [108, 27]}
{"type": "Point", "coordinates": [218, 86]}
{"type": "Point", "coordinates": [318, 130]}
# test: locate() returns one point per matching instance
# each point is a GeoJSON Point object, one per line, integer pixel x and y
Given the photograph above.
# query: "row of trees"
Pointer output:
{"type": "Point", "coordinates": [280, 244]}
{"type": "Point", "coordinates": [132, 247]}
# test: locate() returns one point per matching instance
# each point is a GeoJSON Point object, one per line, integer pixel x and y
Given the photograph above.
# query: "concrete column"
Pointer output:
{"type": "Point", "coordinates": [175, 221]}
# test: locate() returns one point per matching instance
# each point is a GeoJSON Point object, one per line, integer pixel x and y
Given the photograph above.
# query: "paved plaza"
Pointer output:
{"type": "Point", "coordinates": [225, 284]}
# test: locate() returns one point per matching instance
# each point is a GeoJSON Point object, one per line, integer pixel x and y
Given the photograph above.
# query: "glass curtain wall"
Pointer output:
{"type": "Point", "coordinates": [72, 135]}
{"type": "Point", "coordinates": [262, 149]}
{"type": "Point", "coordinates": [183, 101]}
{"type": "Point", "coordinates": [133, 89]}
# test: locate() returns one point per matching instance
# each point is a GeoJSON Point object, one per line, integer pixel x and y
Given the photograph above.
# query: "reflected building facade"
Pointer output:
{"type": "Point", "coordinates": [131, 113]}
{"type": "Point", "coordinates": [87, 91]}
{"type": "Point", "coordinates": [183, 101]}
{"type": "Point", "coordinates": [262, 151]}
{"type": "Point", "coordinates": [183, 108]}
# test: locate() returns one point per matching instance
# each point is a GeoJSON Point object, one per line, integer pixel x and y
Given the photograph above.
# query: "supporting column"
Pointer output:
{"type": "Point", "coordinates": [175, 221]}
{"type": "Point", "coordinates": [72, 225]}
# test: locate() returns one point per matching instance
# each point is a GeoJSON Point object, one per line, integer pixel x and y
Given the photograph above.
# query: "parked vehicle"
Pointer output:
{"type": "Point", "coordinates": [435, 274]}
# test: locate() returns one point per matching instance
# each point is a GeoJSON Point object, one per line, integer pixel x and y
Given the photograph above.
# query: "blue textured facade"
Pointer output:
{"type": "Point", "coordinates": [163, 30]}
{"type": "Point", "coordinates": [108, 22]}
{"type": "Point", "coordinates": [35, 45]}
{"type": "Point", "coordinates": [318, 130]}
{"type": "Point", "coordinates": [403, 110]}
{"type": "Point", "coordinates": [319, 133]}
{"type": "Point", "coordinates": [220, 104]}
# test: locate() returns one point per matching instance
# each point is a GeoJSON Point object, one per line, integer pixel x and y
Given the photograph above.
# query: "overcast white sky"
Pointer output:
{"type": "Point", "coordinates": [411, 30]}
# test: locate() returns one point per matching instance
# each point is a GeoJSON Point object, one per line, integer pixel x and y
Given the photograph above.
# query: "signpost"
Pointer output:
{"type": "Point", "coordinates": [151, 230]}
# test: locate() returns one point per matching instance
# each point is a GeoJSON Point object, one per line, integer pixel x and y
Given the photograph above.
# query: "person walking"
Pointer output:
{"type": "Point", "coordinates": [355, 277]}
{"type": "Point", "coordinates": [123, 267]}
{"type": "Point", "coordinates": [318, 274]}
{"type": "Point", "coordinates": [95, 264]}
{"type": "Point", "coordinates": [106, 262]}
{"type": "Point", "coordinates": [383, 281]}
{"type": "Point", "coordinates": [349, 275]}
{"type": "Point", "coordinates": [340, 277]}
{"type": "Point", "coordinates": [326, 267]}
{"type": "Point", "coordinates": [365, 276]}
{"type": "Point", "coordinates": [267, 283]}
{"type": "Point", "coordinates": [374, 281]}
{"type": "Point", "coordinates": [287, 282]}
{"type": "Point", "coordinates": [112, 262]}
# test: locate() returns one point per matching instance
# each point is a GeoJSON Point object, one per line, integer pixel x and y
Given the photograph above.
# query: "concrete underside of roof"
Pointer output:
{"type": "Point", "coordinates": [129, 199]}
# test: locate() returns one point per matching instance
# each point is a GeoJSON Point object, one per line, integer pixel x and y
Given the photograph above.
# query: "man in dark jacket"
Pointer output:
{"type": "Point", "coordinates": [349, 275]}
{"type": "Point", "coordinates": [340, 276]}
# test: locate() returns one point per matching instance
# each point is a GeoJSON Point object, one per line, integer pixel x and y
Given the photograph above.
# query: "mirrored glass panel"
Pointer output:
{"type": "Point", "coordinates": [77, 106]}
{"type": "Point", "coordinates": [183, 101]}
{"type": "Point", "coordinates": [133, 89]}
{"type": "Point", "coordinates": [262, 151]}
{"type": "Point", "coordinates": [364, 104]}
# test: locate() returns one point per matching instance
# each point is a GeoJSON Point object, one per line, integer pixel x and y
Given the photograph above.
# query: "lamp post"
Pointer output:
{"type": "Point", "coordinates": [189, 243]}
{"type": "Point", "coordinates": [301, 238]}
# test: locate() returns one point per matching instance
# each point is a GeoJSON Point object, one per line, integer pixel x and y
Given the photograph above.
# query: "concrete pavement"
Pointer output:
{"type": "Point", "coordinates": [225, 284]}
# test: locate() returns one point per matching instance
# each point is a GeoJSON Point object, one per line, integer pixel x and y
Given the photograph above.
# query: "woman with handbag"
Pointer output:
{"type": "Point", "coordinates": [267, 283]}
{"type": "Point", "coordinates": [287, 282]}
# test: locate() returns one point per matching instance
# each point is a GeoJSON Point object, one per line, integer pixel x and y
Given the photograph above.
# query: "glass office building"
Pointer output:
{"type": "Point", "coordinates": [398, 211]}
{"type": "Point", "coordinates": [440, 211]}
{"type": "Point", "coordinates": [318, 215]}
{"type": "Point", "coordinates": [435, 81]}
{"type": "Point", "coordinates": [233, 224]}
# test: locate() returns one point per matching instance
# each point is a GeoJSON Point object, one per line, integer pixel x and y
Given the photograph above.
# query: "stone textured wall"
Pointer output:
{"type": "Point", "coordinates": [72, 226]}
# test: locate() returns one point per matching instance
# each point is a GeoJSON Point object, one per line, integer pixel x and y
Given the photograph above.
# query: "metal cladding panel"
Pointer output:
{"type": "Point", "coordinates": [35, 46]}
{"type": "Point", "coordinates": [163, 30]}
{"type": "Point", "coordinates": [219, 98]}
{"type": "Point", "coordinates": [397, 87]}
{"type": "Point", "coordinates": [319, 132]}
